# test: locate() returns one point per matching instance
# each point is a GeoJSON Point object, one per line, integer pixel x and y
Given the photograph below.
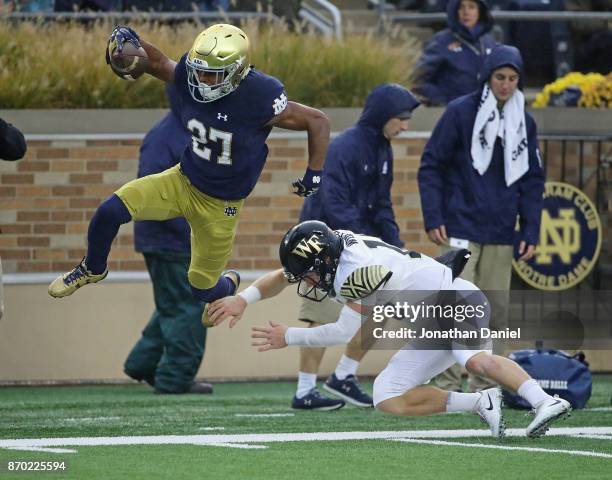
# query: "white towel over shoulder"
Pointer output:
{"type": "Point", "coordinates": [509, 126]}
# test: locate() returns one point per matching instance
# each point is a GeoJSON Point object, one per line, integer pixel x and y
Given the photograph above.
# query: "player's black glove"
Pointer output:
{"type": "Point", "coordinates": [309, 184]}
{"type": "Point", "coordinates": [119, 36]}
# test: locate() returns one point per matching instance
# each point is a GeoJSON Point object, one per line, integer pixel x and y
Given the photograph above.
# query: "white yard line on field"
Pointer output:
{"type": "Point", "coordinates": [238, 445]}
{"type": "Point", "coordinates": [89, 419]}
{"type": "Point", "coordinates": [211, 428]}
{"type": "Point", "coordinates": [42, 449]}
{"type": "Point", "coordinates": [504, 447]}
{"type": "Point", "coordinates": [256, 415]}
{"type": "Point", "coordinates": [259, 438]}
{"type": "Point", "coordinates": [596, 437]}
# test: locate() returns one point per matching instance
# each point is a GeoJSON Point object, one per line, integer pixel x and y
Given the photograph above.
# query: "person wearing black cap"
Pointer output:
{"type": "Point", "coordinates": [480, 169]}
{"type": "Point", "coordinates": [12, 147]}
{"type": "Point", "coordinates": [355, 195]}
{"type": "Point", "coordinates": [12, 143]}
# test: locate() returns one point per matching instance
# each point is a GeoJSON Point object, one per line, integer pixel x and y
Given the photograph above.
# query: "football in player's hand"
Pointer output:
{"type": "Point", "coordinates": [129, 63]}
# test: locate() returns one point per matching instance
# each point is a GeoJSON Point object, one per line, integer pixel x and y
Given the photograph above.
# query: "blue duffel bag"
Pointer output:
{"type": "Point", "coordinates": [557, 372]}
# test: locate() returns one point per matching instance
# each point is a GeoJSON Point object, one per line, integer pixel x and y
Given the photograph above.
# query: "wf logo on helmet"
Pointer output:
{"type": "Point", "coordinates": [569, 243]}
{"type": "Point", "coordinates": [306, 247]}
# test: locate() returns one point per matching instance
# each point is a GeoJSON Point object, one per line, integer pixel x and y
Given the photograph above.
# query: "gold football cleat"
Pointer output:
{"type": "Point", "coordinates": [71, 281]}
{"type": "Point", "coordinates": [235, 278]}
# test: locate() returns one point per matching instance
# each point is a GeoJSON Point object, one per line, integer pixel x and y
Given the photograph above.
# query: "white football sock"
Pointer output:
{"type": "Point", "coordinates": [346, 366]}
{"type": "Point", "coordinates": [461, 402]}
{"type": "Point", "coordinates": [306, 382]}
{"type": "Point", "coordinates": [531, 391]}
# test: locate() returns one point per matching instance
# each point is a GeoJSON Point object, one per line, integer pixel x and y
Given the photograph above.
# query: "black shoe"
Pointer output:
{"type": "Point", "coordinates": [200, 387]}
{"type": "Point", "coordinates": [348, 389]}
{"type": "Point", "coordinates": [313, 400]}
{"type": "Point", "coordinates": [150, 378]}
{"type": "Point", "coordinates": [195, 387]}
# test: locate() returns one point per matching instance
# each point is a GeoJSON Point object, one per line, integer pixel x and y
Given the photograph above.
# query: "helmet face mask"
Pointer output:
{"type": "Point", "coordinates": [310, 252]}
{"type": "Point", "coordinates": [217, 62]}
{"type": "Point", "coordinates": [311, 284]}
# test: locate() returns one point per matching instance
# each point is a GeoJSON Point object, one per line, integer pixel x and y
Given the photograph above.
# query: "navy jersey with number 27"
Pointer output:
{"type": "Point", "coordinates": [228, 144]}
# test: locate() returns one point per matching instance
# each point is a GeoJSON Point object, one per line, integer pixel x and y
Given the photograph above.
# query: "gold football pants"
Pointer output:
{"type": "Point", "coordinates": [213, 222]}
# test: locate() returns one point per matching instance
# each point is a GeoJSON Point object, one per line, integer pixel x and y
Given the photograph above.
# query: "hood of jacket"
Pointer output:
{"type": "Point", "coordinates": [385, 102]}
{"type": "Point", "coordinates": [485, 21]}
{"type": "Point", "coordinates": [502, 56]}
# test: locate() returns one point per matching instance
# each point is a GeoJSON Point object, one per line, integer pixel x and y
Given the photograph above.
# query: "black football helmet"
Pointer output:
{"type": "Point", "coordinates": [311, 247]}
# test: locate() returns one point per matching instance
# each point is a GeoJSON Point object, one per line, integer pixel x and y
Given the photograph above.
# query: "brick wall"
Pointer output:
{"type": "Point", "coordinates": [48, 198]}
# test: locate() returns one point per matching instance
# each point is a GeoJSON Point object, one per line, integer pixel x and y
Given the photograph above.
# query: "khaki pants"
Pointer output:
{"type": "Point", "coordinates": [489, 268]}
{"type": "Point", "coordinates": [322, 313]}
{"type": "Point", "coordinates": [1, 292]}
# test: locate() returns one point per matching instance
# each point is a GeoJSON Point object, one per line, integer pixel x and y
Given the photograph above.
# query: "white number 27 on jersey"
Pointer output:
{"type": "Point", "coordinates": [199, 140]}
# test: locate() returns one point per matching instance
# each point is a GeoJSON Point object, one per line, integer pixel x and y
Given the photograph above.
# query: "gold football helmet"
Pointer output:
{"type": "Point", "coordinates": [217, 62]}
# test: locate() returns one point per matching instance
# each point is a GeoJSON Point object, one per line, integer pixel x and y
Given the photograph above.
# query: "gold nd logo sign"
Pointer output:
{"type": "Point", "coordinates": [558, 236]}
{"type": "Point", "coordinates": [569, 243]}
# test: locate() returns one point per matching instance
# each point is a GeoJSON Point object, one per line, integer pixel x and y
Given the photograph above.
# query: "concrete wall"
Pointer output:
{"type": "Point", "coordinates": [88, 336]}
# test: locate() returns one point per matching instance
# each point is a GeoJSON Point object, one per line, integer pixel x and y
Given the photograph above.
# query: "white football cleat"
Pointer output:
{"type": "Point", "coordinates": [489, 410]}
{"type": "Point", "coordinates": [547, 412]}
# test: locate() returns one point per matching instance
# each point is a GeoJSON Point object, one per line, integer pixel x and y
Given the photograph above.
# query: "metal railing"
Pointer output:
{"type": "Point", "coordinates": [329, 23]}
{"type": "Point", "coordinates": [501, 15]}
{"type": "Point", "coordinates": [146, 16]}
{"type": "Point", "coordinates": [584, 161]}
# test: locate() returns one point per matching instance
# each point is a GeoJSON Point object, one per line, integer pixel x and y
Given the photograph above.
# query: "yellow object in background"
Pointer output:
{"type": "Point", "coordinates": [595, 89]}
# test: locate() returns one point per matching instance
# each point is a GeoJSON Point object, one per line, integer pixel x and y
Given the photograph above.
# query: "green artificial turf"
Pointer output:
{"type": "Point", "coordinates": [113, 411]}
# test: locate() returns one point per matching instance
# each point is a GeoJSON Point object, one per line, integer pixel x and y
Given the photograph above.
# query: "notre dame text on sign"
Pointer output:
{"type": "Point", "coordinates": [569, 243]}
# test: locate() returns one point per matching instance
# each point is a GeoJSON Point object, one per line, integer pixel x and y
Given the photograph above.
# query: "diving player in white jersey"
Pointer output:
{"type": "Point", "coordinates": [349, 268]}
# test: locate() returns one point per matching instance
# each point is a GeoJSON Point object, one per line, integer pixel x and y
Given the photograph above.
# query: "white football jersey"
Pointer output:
{"type": "Point", "coordinates": [367, 264]}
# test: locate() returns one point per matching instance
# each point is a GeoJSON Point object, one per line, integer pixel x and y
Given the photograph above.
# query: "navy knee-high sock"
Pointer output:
{"type": "Point", "coordinates": [103, 229]}
{"type": "Point", "coordinates": [223, 288]}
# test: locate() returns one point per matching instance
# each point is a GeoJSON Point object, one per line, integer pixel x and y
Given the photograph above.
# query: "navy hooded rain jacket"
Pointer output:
{"type": "Point", "coordinates": [355, 191]}
{"type": "Point", "coordinates": [475, 207]}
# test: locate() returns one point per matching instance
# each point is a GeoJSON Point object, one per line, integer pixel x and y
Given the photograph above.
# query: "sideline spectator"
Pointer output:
{"type": "Point", "coordinates": [355, 195]}
{"type": "Point", "coordinates": [176, 5]}
{"type": "Point", "coordinates": [12, 147]}
{"type": "Point", "coordinates": [12, 142]}
{"type": "Point", "coordinates": [452, 59]}
{"type": "Point", "coordinates": [592, 41]}
{"type": "Point", "coordinates": [170, 351]}
{"type": "Point", "coordinates": [35, 6]}
{"type": "Point", "coordinates": [480, 168]}
{"type": "Point", "coordinates": [94, 5]}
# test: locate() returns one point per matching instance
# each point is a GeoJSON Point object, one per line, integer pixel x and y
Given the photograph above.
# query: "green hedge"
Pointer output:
{"type": "Point", "coordinates": [61, 65]}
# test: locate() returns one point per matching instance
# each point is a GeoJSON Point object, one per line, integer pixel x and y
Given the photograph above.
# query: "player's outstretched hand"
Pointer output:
{"type": "Point", "coordinates": [309, 184]}
{"type": "Point", "coordinates": [269, 338]}
{"type": "Point", "coordinates": [119, 36]}
{"type": "Point", "coordinates": [227, 307]}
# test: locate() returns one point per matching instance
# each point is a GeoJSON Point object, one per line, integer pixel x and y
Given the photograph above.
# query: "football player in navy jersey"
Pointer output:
{"type": "Point", "coordinates": [230, 108]}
